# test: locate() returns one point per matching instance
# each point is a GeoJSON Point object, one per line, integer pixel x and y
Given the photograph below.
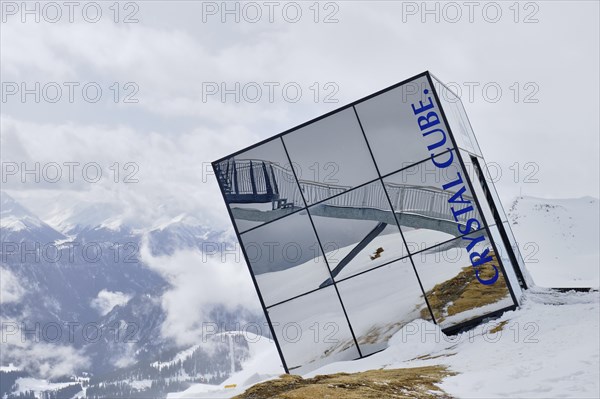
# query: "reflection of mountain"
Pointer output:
{"type": "Point", "coordinates": [52, 277]}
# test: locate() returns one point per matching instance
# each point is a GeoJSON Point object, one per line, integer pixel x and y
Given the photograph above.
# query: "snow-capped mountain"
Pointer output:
{"type": "Point", "coordinates": [124, 297]}
{"type": "Point", "coordinates": [17, 224]}
{"type": "Point", "coordinates": [80, 274]}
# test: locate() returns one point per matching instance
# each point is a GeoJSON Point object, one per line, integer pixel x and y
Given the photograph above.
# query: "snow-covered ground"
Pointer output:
{"type": "Point", "coordinates": [263, 364]}
{"type": "Point", "coordinates": [549, 347]}
{"type": "Point", "coordinates": [38, 385]}
{"type": "Point", "coordinates": [559, 239]}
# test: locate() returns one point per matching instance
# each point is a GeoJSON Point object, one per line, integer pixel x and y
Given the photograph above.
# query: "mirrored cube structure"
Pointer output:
{"type": "Point", "coordinates": [367, 218]}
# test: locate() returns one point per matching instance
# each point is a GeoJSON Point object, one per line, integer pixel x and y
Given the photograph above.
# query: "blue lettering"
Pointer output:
{"type": "Point", "coordinates": [423, 107]}
{"type": "Point", "coordinates": [456, 213]}
{"type": "Point", "coordinates": [424, 121]}
{"type": "Point", "coordinates": [474, 241]}
{"type": "Point", "coordinates": [440, 143]}
{"type": "Point", "coordinates": [453, 183]}
{"type": "Point", "coordinates": [469, 226]}
{"type": "Point", "coordinates": [443, 164]}
{"type": "Point", "coordinates": [477, 259]}
{"type": "Point", "coordinates": [489, 281]}
{"type": "Point", "coordinates": [459, 195]}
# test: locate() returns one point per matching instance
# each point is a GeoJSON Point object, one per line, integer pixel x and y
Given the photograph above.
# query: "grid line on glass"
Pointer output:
{"type": "Point", "coordinates": [315, 224]}
{"type": "Point", "coordinates": [354, 188]}
{"type": "Point", "coordinates": [462, 163]}
{"type": "Point", "coordinates": [325, 259]}
{"type": "Point", "coordinates": [398, 224]}
{"type": "Point", "coordinates": [380, 266]}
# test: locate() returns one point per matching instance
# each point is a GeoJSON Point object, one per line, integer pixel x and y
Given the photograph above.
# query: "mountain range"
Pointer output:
{"type": "Point", "coordinates": [79, 300]}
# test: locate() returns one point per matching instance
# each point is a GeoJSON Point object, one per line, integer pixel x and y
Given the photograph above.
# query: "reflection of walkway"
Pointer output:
{"type": "Point", "coordinates": [248, 181]}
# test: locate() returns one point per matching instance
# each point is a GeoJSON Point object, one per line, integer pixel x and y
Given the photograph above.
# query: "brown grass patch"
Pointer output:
{"type": "Point", "coordinates": [418, 382]}
{"type": "Point", "coordinates": [499, 327]}
{"type": "Point", "coordinates": [430, 357]}
{"type": "Point", "coordinates": [463, 292]}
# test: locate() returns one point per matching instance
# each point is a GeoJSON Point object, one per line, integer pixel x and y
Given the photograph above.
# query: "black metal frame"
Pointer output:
{"type": "Point", "coordinates": [470, 184]}
{"type": "Point", "coordinates": [493, 205]}
{"type": "Point", "coordinates": [449, 330]}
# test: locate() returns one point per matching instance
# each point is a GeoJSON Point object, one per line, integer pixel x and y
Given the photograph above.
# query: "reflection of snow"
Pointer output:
{"type": "Point", "coordinates": [476, 312]}
{"type": "Point", "coordinates": [392, 245]}
{"type": "Point", "coordinates": [284, 284]}
{"type": "Point", "coordinates": [312, 330]}
{"type": "Point", "coordinates": [378, 303]}
{"type": "Point", "coordinates": [281, 285]}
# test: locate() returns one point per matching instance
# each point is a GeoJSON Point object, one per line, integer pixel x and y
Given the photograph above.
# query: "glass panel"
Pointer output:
{"type": "Point", "coordinates": [380, 302]}
{"type": "Point", "coordinates": [358, 231]}
{"type": "Point", "coordinates": [259, 185]}
{"type": "Point", "coordinates": [312, 331]}
{"type": "Point", "coordinates": [433, 204]}
{"type": "Point", "coordinates": [479, 190]}
{"type": "Point", "coordinates": [330, 156]}
{"type": "Point", "coordinates": [285, 258]}
{"type": "Point", "coordinates": [392, 128]}
{"type": "Point", "coordinates": [516, 250]}
{"type": "Point", "coordinates": [489, 178]}
{"type": "Point", "coordinates": [457, 118]}
{"type": "Point", "coordinates": [456, 290]}
{"type": "Point", "coordinates": [509, 268]}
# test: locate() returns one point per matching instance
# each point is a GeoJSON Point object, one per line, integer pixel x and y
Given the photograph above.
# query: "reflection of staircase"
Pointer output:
{"type": "Point", "coordinates": [247, 181]}
{"type": "Point", "coordinates": [250, 181]}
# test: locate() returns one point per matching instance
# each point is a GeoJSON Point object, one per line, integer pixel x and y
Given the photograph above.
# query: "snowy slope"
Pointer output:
{"type": "Point", "coordinates": [263, 364]}
{"type": "Point", "coordinates": [559, 239]}
{"type": "Point", "coordinates": [542, 351]}
{"type": "Point", "coordinates": [549, 347]}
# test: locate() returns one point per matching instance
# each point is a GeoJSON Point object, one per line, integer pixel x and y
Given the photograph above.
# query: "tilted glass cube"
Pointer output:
{"type": "Point", "coordinates": [367, 218]}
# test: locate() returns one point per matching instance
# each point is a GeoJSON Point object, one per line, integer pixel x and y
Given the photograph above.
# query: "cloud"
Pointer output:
{"type": "Point", "coordinates": [45, 360]}
{"type": "Point", "coordinates": [107, 300]}
{"type": "Point", "coordinates": [170, 54]}
{"type": "Point", "coordinates": [147, 179]}
{"type": "Point", "coordinates": [42, 359]}
{"type": "Point", "coordinates": [199, 282]}
{"type": "Point", "coordinates": [10, 287]}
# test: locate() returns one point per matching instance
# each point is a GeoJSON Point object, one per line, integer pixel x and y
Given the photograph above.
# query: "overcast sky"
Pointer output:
{"type": "Point", "coordinates": [528, 74]}
{"type": "Point", "coordinates": [542, 129]}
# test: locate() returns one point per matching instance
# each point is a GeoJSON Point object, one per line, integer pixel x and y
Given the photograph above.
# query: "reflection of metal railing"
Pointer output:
{"type": "Point", "coordinates": [259, 181]}
{"type": "Point", "coordinates": [249, 181]}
